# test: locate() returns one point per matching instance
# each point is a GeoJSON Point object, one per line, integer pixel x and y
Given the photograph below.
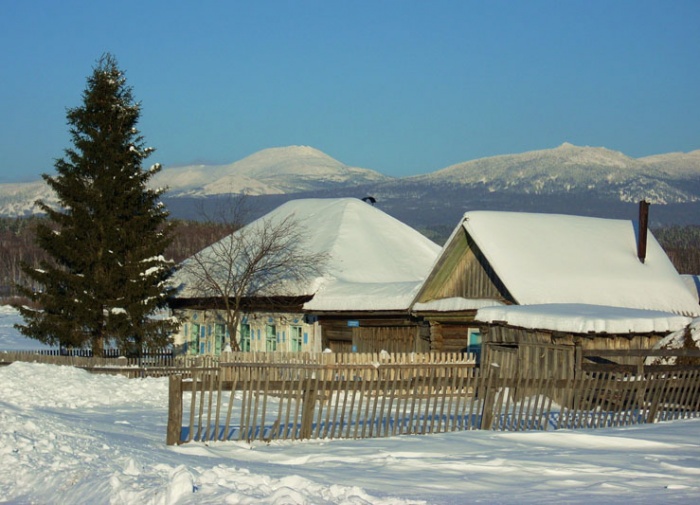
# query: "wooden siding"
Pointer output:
{"type": "Point", "coordinates": [447, 337]}
{"type": "Point", "coordinates": [389, 332]}
{"type": "Point", "coordinates": [502, 334]}
{"type": "Point", "coordinates": [463, 271]}
{"type": "Point", "coordinates": [539, 354]}
{"type": "Point", "coordinates": [389, 339]}
{"type": "Point", "coordinates": [336, 337]}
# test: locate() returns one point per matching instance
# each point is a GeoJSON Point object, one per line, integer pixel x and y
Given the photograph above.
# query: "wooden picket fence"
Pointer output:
{"type": "Point", "coordinates": [356, 396]}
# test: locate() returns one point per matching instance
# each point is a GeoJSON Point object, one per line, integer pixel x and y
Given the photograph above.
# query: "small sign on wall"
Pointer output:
{"type": "Point", "coordinates": [353, 324]}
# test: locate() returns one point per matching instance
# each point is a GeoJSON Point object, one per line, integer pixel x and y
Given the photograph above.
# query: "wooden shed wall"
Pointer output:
{"type": "Point", "coordinates": [390, 339]}
{"type": "Point", "coordinates": [372, 336]}
{"type": "Point", "coordinates": [449, 337]}
{"type": "Point", "coordinates": [522, 338]}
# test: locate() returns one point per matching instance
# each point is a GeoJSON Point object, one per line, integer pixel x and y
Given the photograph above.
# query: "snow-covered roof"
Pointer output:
{"type": "Point", "coordinates": [374, 261]}
{"type": "Point", "coordinates": [579, 318]}
{"type": "Point", "coordinates": [692, 282]}
{"type": "Point", "coordinates": [339, 296]}
{"type": "Point", "coordinates": [551, 258]}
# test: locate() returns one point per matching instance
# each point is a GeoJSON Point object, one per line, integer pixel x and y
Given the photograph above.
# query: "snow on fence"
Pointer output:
{"type": "Point", "coordinates": [416, 394]}
{"type": "Point", "coordinates": [149, 364]}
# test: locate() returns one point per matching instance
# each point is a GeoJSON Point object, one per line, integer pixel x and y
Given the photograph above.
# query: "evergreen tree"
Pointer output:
{"type": "Point", "coordinates": [107, 275]}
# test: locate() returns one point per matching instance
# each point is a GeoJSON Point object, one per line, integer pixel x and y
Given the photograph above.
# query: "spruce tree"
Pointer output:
{"type": "Point", "coordinates": [108, 275]}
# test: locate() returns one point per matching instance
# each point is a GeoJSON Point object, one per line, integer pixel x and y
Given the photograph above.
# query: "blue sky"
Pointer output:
{"type": "Point", "coordinates": [402, 87]}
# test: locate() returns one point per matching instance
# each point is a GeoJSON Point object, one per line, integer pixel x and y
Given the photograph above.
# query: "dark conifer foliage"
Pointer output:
{"type": "Point", "coordinates": [107, 274]}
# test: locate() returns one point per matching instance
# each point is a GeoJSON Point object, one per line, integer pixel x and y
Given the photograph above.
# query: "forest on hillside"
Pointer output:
{"type": "Point", "coordinates": [18, 245]}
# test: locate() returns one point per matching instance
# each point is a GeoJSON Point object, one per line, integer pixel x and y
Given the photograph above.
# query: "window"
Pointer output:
{"type": "Point", "coordinates": [194, 339]}
{"type": "Point", "coordinates": [295, 337]}
{"type": "Point", "coordinates": [219, 337]}
{"type": "Point", "coordinates": [270, 337]}
{"type": "Point", "coordinates": [245, 337]}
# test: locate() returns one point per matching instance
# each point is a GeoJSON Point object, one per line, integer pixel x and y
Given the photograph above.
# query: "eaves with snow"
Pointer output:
{"type": "Point", "coordinates": [569, 273]}
{"type": "Point", "coordinates": [374, 262]}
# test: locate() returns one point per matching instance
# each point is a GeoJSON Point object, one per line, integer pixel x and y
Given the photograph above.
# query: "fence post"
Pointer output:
{"type": "Point", "coordinates": [174, 410]}
{"type": "Point", "coordinates": [488, 393]}
{"type": "Point", "coordinates": [659, 385]}
{"type": "Point", "coordinates": [308, 406]}
{"type": "Point", "coordinates": [578, 361]}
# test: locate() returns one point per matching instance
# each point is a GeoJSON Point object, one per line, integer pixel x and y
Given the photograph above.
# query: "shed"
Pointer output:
{"type": "Point", "coordinates": [547, 263]}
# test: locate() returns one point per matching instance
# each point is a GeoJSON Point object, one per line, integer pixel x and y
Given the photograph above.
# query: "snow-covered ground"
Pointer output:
{"type": "Point", "coordinates": [70, 437]}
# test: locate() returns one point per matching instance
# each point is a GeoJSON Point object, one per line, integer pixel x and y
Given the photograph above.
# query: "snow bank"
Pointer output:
{"type": "Point", "coordinates": [65, 388]}
{"type": "Point", "coordinates": [70, 437]}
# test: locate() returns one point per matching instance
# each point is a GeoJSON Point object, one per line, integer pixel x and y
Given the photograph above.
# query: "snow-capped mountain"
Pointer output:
{"type": "Point", "coordinates": [571, 169]}
{"type": "Point", "coordinates": [274, 171]}
{"type": "Point", "coordinates": [278, 170]}
{"type": "Point", "coordinates": [567, 179]}
{"type": "Point", "coordinates": [19, 199]}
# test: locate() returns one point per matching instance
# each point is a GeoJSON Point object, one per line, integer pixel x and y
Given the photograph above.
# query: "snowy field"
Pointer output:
{"type": "Point", "coordinates": [68, 437]}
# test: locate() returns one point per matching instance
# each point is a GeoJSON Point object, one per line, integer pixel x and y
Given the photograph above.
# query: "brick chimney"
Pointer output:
{"type": "Point", "coordinates": [643, 226]}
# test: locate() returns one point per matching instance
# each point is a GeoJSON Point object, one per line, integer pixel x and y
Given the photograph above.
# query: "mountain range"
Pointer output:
{"type": "Point", "coordinates": [567, 179]}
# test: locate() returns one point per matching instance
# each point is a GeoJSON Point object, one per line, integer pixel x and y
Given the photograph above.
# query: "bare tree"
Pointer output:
{"type": "Point", "coordinates": [268, 258]}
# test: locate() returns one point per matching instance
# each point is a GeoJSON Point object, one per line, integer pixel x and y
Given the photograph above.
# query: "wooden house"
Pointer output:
{"type": "Point", "coordinates": [359, 301]}
{"type": "Point", "coordinates": [529, 290]}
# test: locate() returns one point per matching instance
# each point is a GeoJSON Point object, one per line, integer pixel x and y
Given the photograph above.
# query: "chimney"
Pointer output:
{"type": "Point", "coordinates": [642, 234]}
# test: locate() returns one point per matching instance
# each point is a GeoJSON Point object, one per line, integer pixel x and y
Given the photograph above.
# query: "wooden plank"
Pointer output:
{"type": "Point", "coordinates": [695, 398]}
{"type": "Point", "coordinates": [231, 400]}
{"type": "Point", "coordinates": [263, 413]}
{"type": "Point", "coordinates": [210, 389]}
{"type": "Point", "coordinates": [174, 410]}
{"type": "Point", "coordinates": [245, 406]}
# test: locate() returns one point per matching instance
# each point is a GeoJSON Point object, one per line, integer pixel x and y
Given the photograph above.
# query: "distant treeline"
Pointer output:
{"type": "Point", "coordinates": [17, 245]}
{"type": "Point", "coordinates": [682, 244]}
